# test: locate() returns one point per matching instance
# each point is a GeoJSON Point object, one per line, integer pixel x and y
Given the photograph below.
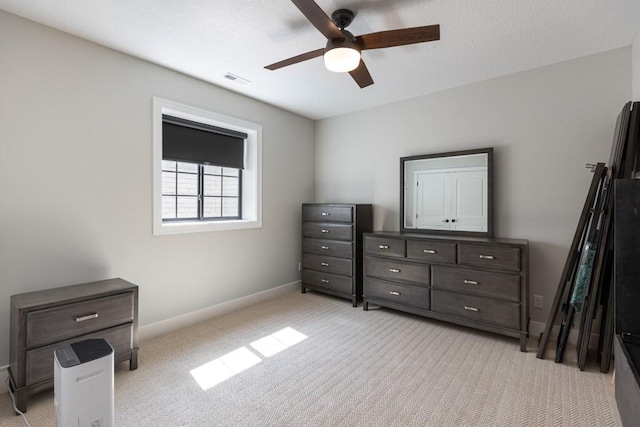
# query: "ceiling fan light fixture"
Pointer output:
{"type": "Point", "coordinates": [341, 59]}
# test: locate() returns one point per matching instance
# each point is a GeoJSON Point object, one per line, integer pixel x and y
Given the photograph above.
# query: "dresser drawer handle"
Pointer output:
{"type": "Point", "coordinates": [468, 307]}
{"type": "Point", "coordinates": [394, 293]}
{"type": "Point", "coordinates": [324, 247]}
{"type": "Point", "coordinates": [383, 246]}
{"type": "Point", "coordinates": [87, 317]}
{"type": "Point", "coordinates": [394, 270]}
{"type": "Point", "coordinates": [324, 230]}
{"type": "Point", "coordinates": [324, 264]}
{"type": "Point", "coordinates": [487, 257]}
{"type": "Point", "coordinates": [470, 282]}
{"type": "Point", "coordinates": [429, 251]}
{"type": "Point", "coordinates": [324, 280]}
{"type": "Point", "coordinates": [325, 214]}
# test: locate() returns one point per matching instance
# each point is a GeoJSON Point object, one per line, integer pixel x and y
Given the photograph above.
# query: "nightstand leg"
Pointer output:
{"type": "Point", "coordinates": [22, 396]}
{"type": "Point", "coordinates": [365, 305]}
{"type": "Point", "coordinates": [304, 290]}
{"type": "Point", "coordinates": [523, 343]}
{"type": "Point", "coordinates": [133, 362]}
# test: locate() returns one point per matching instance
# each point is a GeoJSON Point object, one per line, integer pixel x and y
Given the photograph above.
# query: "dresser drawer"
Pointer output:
{"type": "Point", "coordinates": [327, 264]}
{"type": "Point", "coordinates": [395, 270]}
{"type": "Point", "coordinates": [496, 257]}
{"type": "Point", "coordinates": [385, 247]}
{"type": "Point", "coordinates": [71, 320]}
{"type": "Point", "coordinates": [39, 362]}
{"type": "Point", "coordinates": [327, 231]}
{"type": "Point", "coordinates": [476, 282]}
{"type": "Point", "coordinates": [334, 248]}
{"type": "Point", "coordinates": [500, 313]}
{"type": "Point", "coordinates": [414, 296]}
{"type": "Point", "coordinates": [431, 251]}
{"type": "Point", "coordinates": [326, 280]}
{"type": "Point", "coordinates": [327, 213]}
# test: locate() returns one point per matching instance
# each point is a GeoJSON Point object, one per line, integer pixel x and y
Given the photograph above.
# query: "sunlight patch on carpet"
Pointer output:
{"type": "Point", "coordinates": [224, 367]}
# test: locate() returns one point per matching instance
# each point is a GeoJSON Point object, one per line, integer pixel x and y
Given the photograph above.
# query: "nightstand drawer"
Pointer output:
{"type": "Point", "coordinates": [328, 247]}
{"type": "Point", "coordinates": [327, 264]}
{"type": "Point", "coordinates": [497, 257]}
{"type": "Point", "coordinates": [500, 313]}
{"type": "Point", "coordinates": [431, 251]}
{"type": "Point", "coordinates": [414, 296]}
{"type": "Point", "coordinates": [400, 271]}
{"type": "Point", "coordinates": [39, 362]}
{"type": "Point", "coordinates": [476, 282]}
{"type": "Point", "coordinates": [72, 320]}
{"type": "Point", "coordinates": [327, 213]}
{"type": "Point", "coordinates": [326, 280]}
{"type": "Point", "coordinates": [327, 231]}
{"type": "Point", "coordinates": [385, 247]}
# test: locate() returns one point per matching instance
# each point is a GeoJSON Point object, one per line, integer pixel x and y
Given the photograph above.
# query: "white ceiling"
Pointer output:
{"type": "Point", "coordinates": [208, 38]}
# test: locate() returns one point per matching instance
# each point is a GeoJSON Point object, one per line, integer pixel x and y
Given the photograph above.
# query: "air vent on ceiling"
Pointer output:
{"type": "Point", "coordinates": [235, 78]}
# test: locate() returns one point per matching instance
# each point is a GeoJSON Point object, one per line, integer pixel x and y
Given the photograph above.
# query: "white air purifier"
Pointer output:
{"type": "Point", "coordinates": [83, 384]}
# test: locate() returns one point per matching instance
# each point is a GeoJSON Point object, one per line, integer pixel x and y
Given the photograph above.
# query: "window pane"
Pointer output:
{"type": "Point", "coordinates": [168, 207]}
{"type": "Point", "coordinates": [187, 207]}
{"type": "Point", "coordinates": [212, 185]}
{"type": "Point", "coordinates": [168, 183]}
{"type": "Point", "coordinates": [215, 170]}
{"type": "Point", "coordinates": [168, 165]}
{"type": "Point", "coordinates": [187, 184]}
{"type": "Point", "coordinates": [187, 167]}
{"type": "Point", "coordinates": [212, 207]}
{"type": "Point", "coordinates": [229, 207]}
{"type": "Point", "coordinates": [230, 187]}
{"type": "Point", "coordinates": [230, 171]}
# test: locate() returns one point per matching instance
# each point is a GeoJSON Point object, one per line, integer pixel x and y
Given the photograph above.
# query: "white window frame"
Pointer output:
{"type": "Point", "coordinates": [251, 174]}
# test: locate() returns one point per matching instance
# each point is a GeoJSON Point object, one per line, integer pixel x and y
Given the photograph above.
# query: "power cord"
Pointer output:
{"type": "Point", "coordinates": [24, 417]}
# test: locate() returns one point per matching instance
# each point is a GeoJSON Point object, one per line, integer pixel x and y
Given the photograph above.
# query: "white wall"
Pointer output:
{"type": "Point", "coordinates": [545, 125]}
{"type": "Point", "coordinates": [75, 180]}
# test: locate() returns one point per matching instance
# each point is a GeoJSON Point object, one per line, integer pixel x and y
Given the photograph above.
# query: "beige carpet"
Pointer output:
{"type": "Point", "coordinates": [335, 365]}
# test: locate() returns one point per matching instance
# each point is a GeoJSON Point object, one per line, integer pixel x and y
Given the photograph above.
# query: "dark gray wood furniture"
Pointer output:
{"type": "Point", "coordinates": [471, 281]}
{"type": "Point", "coordinates": [43, 320]}
{"type": "Point", "coordinates": [332, 247]}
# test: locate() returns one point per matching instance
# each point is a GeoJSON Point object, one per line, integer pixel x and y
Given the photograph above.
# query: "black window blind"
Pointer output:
{"type": "Point", "coordinates": [187, 141]}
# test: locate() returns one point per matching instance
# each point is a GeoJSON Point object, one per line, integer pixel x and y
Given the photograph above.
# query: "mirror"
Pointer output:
{"type": "Point", "coordinates": [447, 193]}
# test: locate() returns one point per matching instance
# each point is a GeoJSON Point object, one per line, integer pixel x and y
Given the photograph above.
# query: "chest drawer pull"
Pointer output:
{"type": "Point", "coordinates": [383, 246]}
{"type": "Point", "coordinates": [468, 307]}
{"type": "Point", "coordinates": [324, 281]}
{"type": "Point", "coordinates": [429, 251]}
{"type": "Point", "coordinates": [394, 293]}
{"type": "Point", "coordinates": [324, 230]}
{"type": "Point", "coordinates": [324, 247]}
{"type": "Point", "coordinates": [487, 257]}
{"type": "Point", "coordinates": [87, 317]}
{"type": "Point", "coordinates": [394, 270]}
{"type": "Point", "coordinates": [470, 282]}
{"type": "Point", "coordinates": [324, 264]}
{"type": "Point", "coordinates": [325, 213]}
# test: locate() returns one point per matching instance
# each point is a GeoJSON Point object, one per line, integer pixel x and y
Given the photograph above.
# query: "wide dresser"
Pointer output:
{"type": "Point", "coordinates": [332, 247]}
{"type": "Point", "coordinates": [43, 320]}
{"type": "Point", "coordinates": [476, 282]}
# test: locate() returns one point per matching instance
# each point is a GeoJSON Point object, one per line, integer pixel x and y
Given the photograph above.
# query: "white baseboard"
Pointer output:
{"type": "Point", "coordinates": [178, 322]}
{"type": "Point", "coordinates": [536, 329]}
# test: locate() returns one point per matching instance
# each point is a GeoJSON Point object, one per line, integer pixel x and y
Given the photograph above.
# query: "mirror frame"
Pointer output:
{"type": "Point", "coordinates": [489, 232]}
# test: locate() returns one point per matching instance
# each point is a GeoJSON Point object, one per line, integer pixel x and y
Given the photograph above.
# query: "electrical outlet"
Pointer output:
{"type": "Point", "coordinates": [299, 266]}
{"type": "Point", "coordinates": [538, 301]}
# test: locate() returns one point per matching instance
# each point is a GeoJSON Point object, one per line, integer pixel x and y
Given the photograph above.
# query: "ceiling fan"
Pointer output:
{"type": "Point", "coordinates": [342, 52]}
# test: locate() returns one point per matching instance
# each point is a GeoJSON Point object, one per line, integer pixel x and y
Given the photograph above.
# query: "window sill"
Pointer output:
{"type": "Point", "coordinates": [203, 226]}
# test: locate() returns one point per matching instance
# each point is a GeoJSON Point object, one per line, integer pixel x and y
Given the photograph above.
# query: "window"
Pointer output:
{"type": "Point", "coordinates": [206, 170]}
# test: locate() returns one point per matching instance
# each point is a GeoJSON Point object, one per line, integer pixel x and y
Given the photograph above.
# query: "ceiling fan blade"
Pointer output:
{"type": "Point", "coordinates": [318, 18]}
{"type": "Point", "coordinates": [361, 75]}
{"type": "Point", "coordinates": [398, 37]}
{"type": "Point", "coordinates": [296, 59]}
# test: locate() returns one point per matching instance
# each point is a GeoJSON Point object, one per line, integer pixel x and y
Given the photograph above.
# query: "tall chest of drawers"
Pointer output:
{"type": "Point", "coordinates": [44, 320]}
{"type": "Point", "coordinates": [332, 247]}
{"type": "Point", "coordinates": [476, 282]}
